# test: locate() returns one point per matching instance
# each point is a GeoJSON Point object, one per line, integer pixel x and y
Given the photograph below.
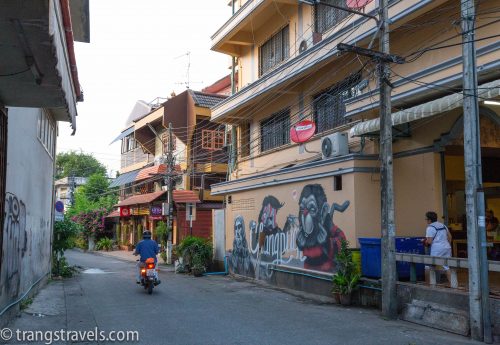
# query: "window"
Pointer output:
{"type": "Point", "coordinates": [326, 17]}
{"type": "Point", "coordinates": [212, 139]}
{"type": "Point", "coordinates": [129, 143]}
{"type": "Point", "coordinates": [274, 51]}
{"type": "Point", "coordinates": [337, 182]}
{"type": "Point", "coordinates": [166, 141]}
{"type": "Point", "coordinates": [245, 140]}
{"type": "Point", "coordinates": [329, 106]}
{"type": "Point", "coordinates": [275, 131]}
{"type": "Point", "coordinates": [46, 132]}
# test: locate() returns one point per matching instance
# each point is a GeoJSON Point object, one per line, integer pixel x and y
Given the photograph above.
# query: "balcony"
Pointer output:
{"type": "Point", "coordinates": [211, 168]}
{"type": "Point", "coordinates": [239, 29]}
{"type": "Point", "coordinates": [356, 30]}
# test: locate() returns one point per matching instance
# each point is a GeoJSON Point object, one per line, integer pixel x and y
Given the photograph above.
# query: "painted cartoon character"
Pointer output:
{"type": "Point", "coordinates": [240, 259]}
{"type": "Point", "coordinates": [318, 238]}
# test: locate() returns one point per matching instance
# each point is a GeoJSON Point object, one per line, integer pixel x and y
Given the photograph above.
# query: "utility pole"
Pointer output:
{"type": "Point", "coordinates": [170, 162]}
{"type": "Point", "coordinates": [71, 183]}
{"type": "Point", "coordinates": [389, 295]}
{"type": "Point", "coordinates": [479, 308]}
{"type": "Point", "coordinates": [383, 57]}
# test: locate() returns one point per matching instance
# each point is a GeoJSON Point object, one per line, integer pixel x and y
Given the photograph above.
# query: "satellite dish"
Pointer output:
{"type": "Point", "coordinates": [302, 46]}
{"type": "Point", "coordinates": [302, 131]}
{"type": "Point", "coordinates": [326, 147]}
{"type": "Point", "coordinates": [357, 4]}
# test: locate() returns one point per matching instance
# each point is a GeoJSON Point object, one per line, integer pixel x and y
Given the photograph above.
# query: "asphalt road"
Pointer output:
{"type": "Point", "coordinates": [207, 310]}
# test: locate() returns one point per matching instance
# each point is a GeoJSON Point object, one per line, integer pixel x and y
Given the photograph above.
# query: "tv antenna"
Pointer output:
{"type": "Point", "coordinates": [187, 83]}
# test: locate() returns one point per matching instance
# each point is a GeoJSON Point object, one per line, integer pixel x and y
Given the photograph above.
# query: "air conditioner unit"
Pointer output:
{"type": "Point", "coordinates": [334, 145]}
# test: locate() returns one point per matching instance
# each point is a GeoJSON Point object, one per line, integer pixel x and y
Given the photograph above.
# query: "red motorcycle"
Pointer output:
{"type": "Point", "coordinates": [149, 275]}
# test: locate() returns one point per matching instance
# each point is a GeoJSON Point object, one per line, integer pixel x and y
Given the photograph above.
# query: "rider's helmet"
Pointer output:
{"type": "Point", "coordinates": [146, 235]}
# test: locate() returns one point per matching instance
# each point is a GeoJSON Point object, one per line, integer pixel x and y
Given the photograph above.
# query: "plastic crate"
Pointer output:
{"type": "Point", "coordinates": [371, 256]}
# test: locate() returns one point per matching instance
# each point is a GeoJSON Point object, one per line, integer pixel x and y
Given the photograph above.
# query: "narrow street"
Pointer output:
{"type": "Point", "coordinates": [208, 310]}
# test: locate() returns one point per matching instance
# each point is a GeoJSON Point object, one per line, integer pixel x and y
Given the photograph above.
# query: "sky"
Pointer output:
{"type": "Point", "coordinates": [138, 51]}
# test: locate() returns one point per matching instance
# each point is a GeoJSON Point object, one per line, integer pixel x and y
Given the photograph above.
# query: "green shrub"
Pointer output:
{"type": "Point", "coordinates": [104, 244]}
{"type": "Point", "coordinates": [346, 279]}
{"type": "Point", "coordinates": [61, 268]}
{"type": "Point", "coordinates": [81, 243]}
{"type": "Point", "coordinates": [196, 252]}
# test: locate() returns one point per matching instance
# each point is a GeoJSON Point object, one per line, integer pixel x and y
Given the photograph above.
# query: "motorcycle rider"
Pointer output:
{"type": "Point", "coordinates": [147, 248]}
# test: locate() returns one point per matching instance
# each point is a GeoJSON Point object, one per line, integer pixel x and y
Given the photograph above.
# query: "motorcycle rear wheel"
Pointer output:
{"type": "Point", "coordinates": [150, 288]}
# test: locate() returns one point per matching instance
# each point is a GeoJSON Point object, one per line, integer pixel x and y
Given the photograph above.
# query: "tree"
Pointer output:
{"type": "Point", "coordinates": [77, 164]}
{"type": "Point", "coordinates": [95, 194]}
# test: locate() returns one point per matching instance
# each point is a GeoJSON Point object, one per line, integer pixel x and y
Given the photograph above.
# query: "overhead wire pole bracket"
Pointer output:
{"type": "Point", "coordinates": [379, 56]}
{"type": "Point", "coordinates": [350, 10]}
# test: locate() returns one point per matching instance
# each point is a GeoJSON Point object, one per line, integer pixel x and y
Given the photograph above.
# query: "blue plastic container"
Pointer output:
{"type": "Point", "coordinates": [371, 257]}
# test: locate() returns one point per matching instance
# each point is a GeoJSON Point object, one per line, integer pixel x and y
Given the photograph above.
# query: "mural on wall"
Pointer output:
{"type": "Point", "coordinates": [241, 258]}
{"type": "Point", "coordinates": [310, 240]}
{"type": "Point", "coordinates": [319, 238]}
{"type": "Point", "coordinates": [14, 227]}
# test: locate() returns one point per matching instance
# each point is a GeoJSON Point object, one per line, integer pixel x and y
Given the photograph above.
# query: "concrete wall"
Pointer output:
{"type": "Point", "coordinates": [27, 229]}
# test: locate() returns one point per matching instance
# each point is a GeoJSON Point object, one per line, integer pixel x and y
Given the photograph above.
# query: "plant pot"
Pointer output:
{"type": "Point", "coordinates": [345, 299]}
{"type": "Point", "coordinates": [197, 272]}
{"type": "Point", "coordinates": [336, 297]}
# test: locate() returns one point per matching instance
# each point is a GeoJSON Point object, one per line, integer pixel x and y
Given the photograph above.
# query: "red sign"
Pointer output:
{"type": "Point", "coordinates": [302, 131]}
{"type": "Point", "coordinates": [124, 211]}
{"type": "Point", "coordinates": [357, 4]}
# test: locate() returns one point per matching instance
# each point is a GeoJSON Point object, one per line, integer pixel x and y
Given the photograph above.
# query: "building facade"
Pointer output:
{"type": "Point", "coordinates": [288, 204]}
{"type": "Point", "coordinates": [41, 91]}
{"type": "Point", "coordinates": [199, 162]}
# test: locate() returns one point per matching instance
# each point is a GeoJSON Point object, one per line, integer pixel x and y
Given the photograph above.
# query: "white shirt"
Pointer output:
{"type": "Point", "coordinates": [440, 245]}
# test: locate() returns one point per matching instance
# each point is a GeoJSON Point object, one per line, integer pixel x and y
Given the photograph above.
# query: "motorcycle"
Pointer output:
{"type": "Point", "coordinates": [149, 275]}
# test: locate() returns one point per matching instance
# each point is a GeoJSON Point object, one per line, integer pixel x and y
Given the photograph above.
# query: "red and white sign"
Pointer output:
{"type": "Point", "coordinates": [302, 131]}
{"type": "Point", "coordinates": [124, 211]}
{"type": "Point", "coordinates": [357, 4]}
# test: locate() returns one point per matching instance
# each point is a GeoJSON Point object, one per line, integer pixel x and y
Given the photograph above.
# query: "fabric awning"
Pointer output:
{"type": "Point", "coordinates": [425, 110]}
{"type": "Point", "coordinates": [185, 196]}
{"type": "Point", "coordinates": [124, 134]}
{"type": "Point", "coordinates": [125, 178]}
{"type": "Point", "coordinates": [141, 199]}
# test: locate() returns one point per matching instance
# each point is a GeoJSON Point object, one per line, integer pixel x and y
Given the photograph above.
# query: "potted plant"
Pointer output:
{"type": "Point", "coordinates": [196, 254]}
{"type": "Point", "coordinates": [346, 279]}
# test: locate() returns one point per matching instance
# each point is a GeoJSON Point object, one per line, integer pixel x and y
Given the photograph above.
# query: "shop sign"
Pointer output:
{"type": "Point", "coordinates": [124, 211]}
{"type": "Point", "coordinates": [155, 211]}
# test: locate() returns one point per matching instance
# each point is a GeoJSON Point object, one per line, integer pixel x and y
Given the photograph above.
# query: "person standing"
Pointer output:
{"type": "Point", "coordinates": [438, 237]}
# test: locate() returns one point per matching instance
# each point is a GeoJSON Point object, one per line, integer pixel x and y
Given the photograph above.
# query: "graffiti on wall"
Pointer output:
{"type": "Point", "coordinates": [310, 239]}
{"type": "Point", "coordinates": [15, 240]}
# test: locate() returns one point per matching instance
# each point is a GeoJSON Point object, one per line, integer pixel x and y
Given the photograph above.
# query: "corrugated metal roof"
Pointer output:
{"type": "Point", "coordinates": [185, 196]}
{"type": "Point", "coordinates": [206, 100]}
{"type": "Point", "coordinates": [123, 134]}
{"type": "Point", "coordinates": [141, 199]}
{"type": "Point", "coordinates": [125, 178]}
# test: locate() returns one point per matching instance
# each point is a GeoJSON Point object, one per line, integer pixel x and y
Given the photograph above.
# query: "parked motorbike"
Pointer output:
{"type": "Point", "coordinates": [149, 275]}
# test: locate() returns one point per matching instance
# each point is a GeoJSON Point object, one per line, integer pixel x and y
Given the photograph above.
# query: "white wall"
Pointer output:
{"type": "Point", "coordinates": [28, 223]}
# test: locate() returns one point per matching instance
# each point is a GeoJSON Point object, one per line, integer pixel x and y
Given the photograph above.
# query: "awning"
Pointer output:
{"type": "Point", "coordinates": [185, 196]}
{"type": "Point", "coordinates": [425, 110]}
{"type": "Point", "coordinates": [151, 172]}
{"type": "Point", "coordinates": [141, 199]}
{"type": "Point", "coordinates": [113, 214]}
{"type": "Point", "coordinates": [125, 178]}
{"type": "Point", "coordinates": [124, 134]}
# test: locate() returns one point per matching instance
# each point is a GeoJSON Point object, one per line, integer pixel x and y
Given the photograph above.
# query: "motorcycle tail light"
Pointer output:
{"type": "Point", "coordinates": [151, 266]}
{"type": "Point", "coordinates": [143, 271]}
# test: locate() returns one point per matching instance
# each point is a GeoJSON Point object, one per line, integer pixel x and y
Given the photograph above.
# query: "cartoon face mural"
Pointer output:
{"type": "Point", "coordinates": [240, 258]}
{"type": "Point", "coordinates": [319, 238]}
{"type": "Point", "coordinates": [268, 213]}
{"type": "Point", "coordinates": [310, 240]}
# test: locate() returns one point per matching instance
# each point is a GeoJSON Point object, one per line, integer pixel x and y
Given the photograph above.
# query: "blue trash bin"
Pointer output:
{"type": "Point", "coordinates": [371, 256]}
